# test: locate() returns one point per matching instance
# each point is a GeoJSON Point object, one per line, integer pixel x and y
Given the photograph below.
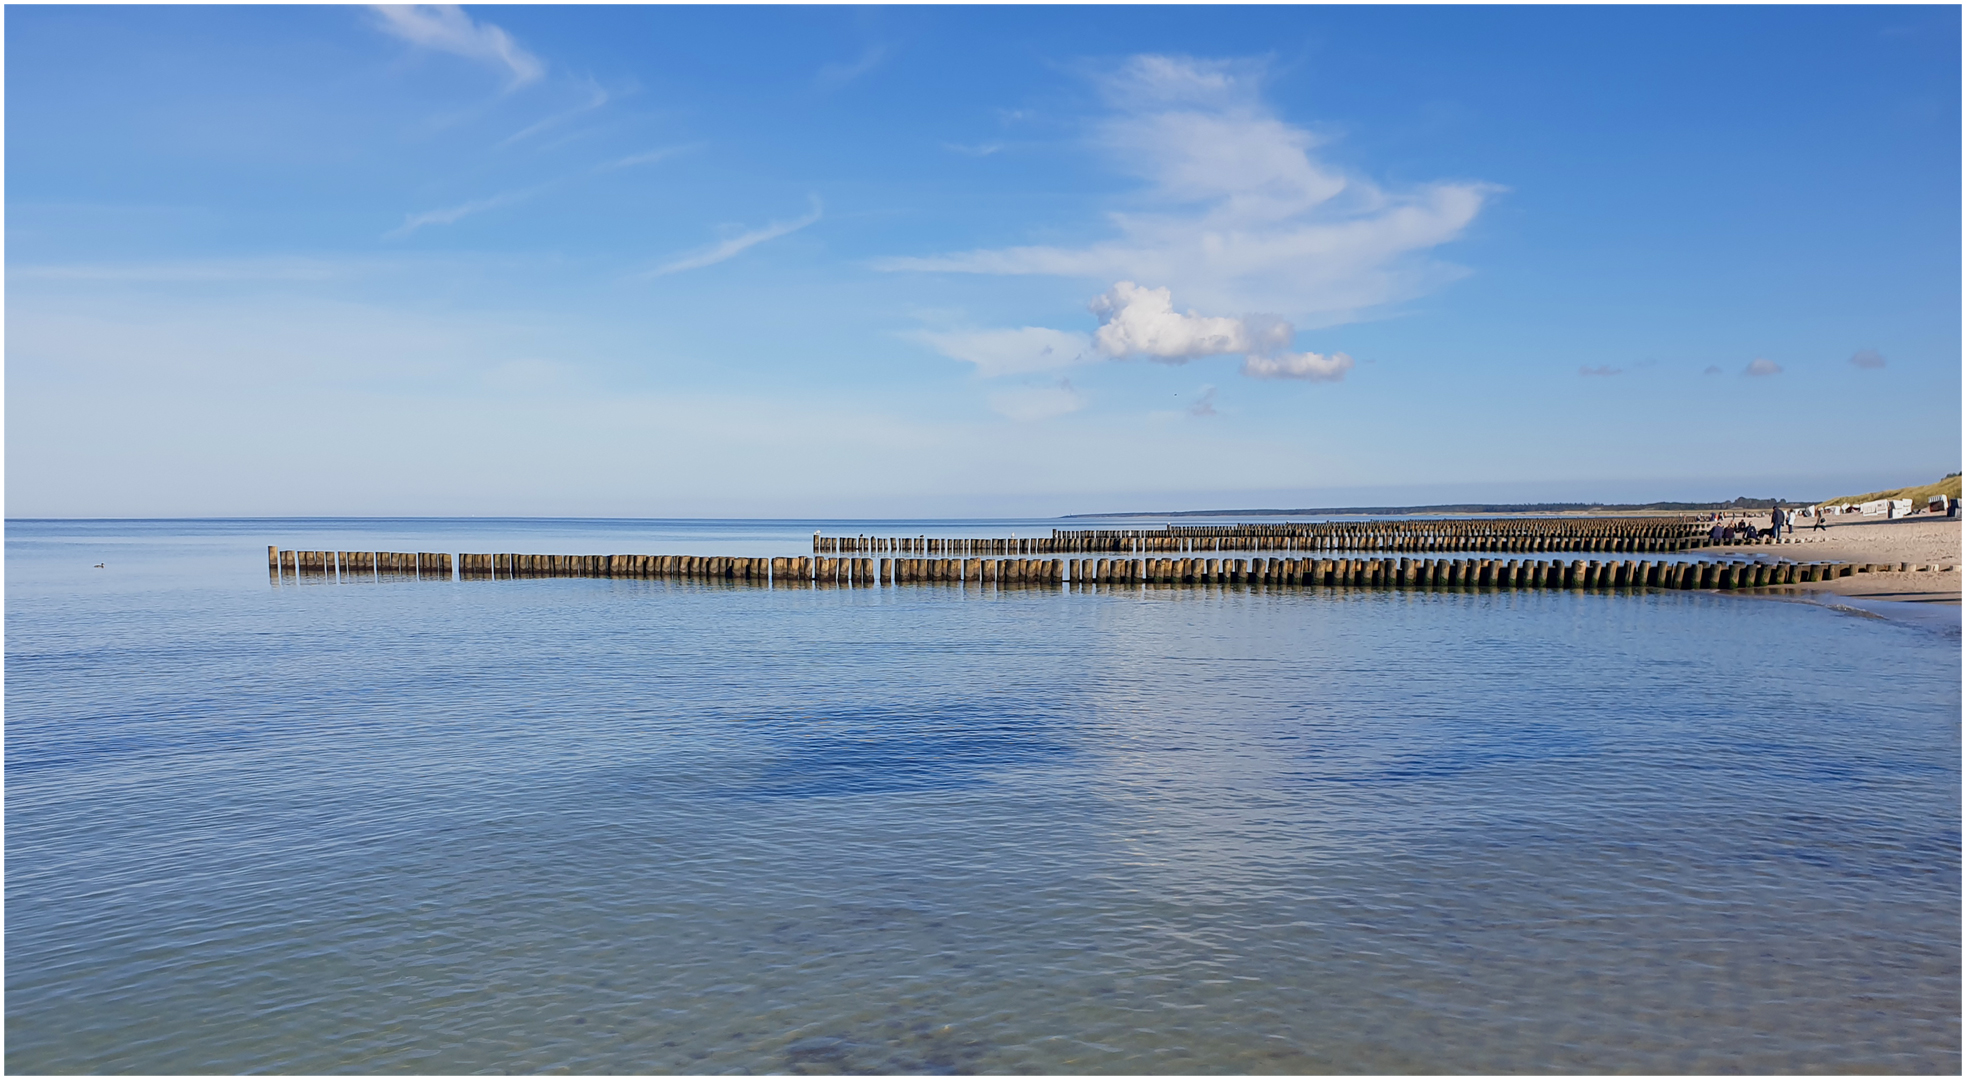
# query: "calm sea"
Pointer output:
{"type": "Point", "coordinates": [653, 826]}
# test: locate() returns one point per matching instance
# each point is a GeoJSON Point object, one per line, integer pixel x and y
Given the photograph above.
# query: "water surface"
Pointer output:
{"type": "Point", "coordinates": [659, 826]}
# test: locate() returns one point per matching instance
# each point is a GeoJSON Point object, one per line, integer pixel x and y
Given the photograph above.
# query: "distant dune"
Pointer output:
{"type": "Point", "coordinates": [1948, 487]}
{"type": "Point", "coordinates": [1742, 503]}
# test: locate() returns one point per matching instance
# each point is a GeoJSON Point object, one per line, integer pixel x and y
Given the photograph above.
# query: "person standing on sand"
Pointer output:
{"type": "Point", "coordinates": [1775, 519]}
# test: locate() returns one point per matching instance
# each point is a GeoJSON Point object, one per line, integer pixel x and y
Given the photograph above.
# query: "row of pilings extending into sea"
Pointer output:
{"type": "Point", "coordinates": [1647, 534]}
{"type": "Point", "coordinates": [807, 571]}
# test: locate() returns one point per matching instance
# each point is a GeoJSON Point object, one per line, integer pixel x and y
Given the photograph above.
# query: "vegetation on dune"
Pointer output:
{"type": "Point", "coordinates": [1948, 487]}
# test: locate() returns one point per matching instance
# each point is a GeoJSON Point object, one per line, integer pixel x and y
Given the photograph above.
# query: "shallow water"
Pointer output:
{"type": "Point", "coordinates": [661, 826]}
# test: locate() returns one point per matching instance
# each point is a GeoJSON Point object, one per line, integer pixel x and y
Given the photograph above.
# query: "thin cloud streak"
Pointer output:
{"type": "Point", "coordinates": [599, 98]}
{"type": "Point", "coordinates": [451, 214]}
{"type": "Point", "coordinates": [446, 28]}
{"type": "Point", "coordinates": [737, 245]}
{"type": "Point", "coordinates": [647, 157]}
{"type": "Point", "coordinates": [834, 76]}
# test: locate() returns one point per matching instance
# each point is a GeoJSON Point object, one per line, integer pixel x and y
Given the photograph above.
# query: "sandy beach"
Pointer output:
{"type": "Point", "coordinates": [1918, 540]}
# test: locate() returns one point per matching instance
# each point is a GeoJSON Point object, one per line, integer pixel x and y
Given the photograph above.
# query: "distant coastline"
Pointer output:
{"type": "Point", "coordinates": [1741, 504]}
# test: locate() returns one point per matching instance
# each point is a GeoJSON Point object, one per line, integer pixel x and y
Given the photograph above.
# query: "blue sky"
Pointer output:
{"type": "Point", "coordinates": [974, 261]}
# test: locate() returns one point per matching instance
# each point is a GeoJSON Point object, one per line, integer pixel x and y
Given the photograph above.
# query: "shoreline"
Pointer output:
{"type": "Point", "coordinates": [1936, 612]}
{"type": "Point", "coordinates": [1916, 541]}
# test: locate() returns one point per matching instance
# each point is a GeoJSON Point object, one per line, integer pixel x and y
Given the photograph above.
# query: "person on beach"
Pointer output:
{"type": "Point", "coordinates": [1775, 519]}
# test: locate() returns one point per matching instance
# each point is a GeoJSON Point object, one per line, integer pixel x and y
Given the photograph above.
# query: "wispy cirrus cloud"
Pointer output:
{"type": "Point", "coordinates": [1236, 210]}
{"type": "Point", "coordinates": [446, 28]}
{"type": "Point", "coordinates": [1600, 371]}
{"type": "Point", "coordinates": [451, 214]}
{"type": "Point", "coordinates": [647, 157]}
{"type": "Point", "coordinates": [835, 75]}
{"type": "Point", "coordinates": [738, 244]}
{"type": "Point", "coordinates": [1011, 352]}
{"type": "Point", "coordinates": [596, 98]}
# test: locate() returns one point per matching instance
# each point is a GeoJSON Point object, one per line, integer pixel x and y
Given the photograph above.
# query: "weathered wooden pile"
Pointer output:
{"type": "Point", "coordinates": [350, 564]}
{"type": "Point", "coordinates": [1286, 572]}
{"type": "Point", "coordinates": [1649, 534]}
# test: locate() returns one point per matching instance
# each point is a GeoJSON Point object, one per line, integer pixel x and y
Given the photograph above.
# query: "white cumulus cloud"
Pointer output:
{"type": "Point", "coordinates": [1137, 321]}
{"type": "Point", "coordinates": [446, 28]}
{"type": "Point", "coordinates": [1763, 366]}
{"type": "Point", "coordinates": [1236, 211]}
{"type": "Point", "coordinates": [1011, 352]}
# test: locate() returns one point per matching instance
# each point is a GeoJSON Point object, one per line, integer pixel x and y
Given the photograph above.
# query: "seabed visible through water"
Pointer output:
{"type": "Point", "coordinates": [662, 826]}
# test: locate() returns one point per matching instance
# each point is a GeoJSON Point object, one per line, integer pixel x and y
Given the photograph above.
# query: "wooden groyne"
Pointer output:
{"type": "Point", "coordinates": [1651, 534]}
{"type": "Point", "coordinates": [351, 564]}
{"type": "Point", "coordinates": [1284, 572]}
